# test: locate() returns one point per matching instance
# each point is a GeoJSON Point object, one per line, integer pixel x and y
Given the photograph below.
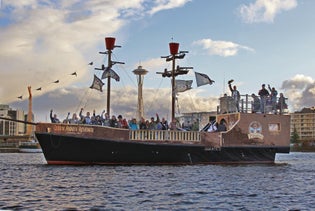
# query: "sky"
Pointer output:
{"type": "Point", "coordinates": [253, 42]}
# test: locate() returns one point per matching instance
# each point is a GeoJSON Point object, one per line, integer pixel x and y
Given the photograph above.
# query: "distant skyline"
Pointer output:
{"type": "Point", "coordinates": [252, 42]}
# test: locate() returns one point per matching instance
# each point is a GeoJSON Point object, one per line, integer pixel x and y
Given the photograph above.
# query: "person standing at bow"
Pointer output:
{"type": "Point", "coordinates": [235, 95]}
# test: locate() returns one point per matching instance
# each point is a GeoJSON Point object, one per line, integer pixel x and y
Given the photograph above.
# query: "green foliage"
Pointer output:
{"type": "Point", "coordinates": [294, 137]}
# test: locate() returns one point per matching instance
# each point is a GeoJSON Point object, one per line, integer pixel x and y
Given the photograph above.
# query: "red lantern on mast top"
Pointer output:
{"type": "Point", "coordinates": [110, 43]}
{"type": "Point", "coordinates": [174, 48]}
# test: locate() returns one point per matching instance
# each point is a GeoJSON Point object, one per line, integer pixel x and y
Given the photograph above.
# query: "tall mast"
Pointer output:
{"type": "Point", "coordinates": [110, 45]}
{"type": "Point", "coordinates": [174, 54]}
{"type": "Point", "coordinates": [173, 50]}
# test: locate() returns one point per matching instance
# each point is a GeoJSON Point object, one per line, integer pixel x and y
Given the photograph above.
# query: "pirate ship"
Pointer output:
{"type": "Point", "coordinates": [248, 138]}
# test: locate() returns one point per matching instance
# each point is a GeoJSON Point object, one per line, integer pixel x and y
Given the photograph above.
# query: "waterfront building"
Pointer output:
{"type": "Point", "coordinates": [10, 128]}
{"type": "Point", "coordinates": [303, 124]}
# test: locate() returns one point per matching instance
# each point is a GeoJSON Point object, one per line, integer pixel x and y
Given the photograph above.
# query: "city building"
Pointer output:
{"type": "Point", "coordinates": [10, 128]}
{"type": "Point", "coordinates": [303, 125]}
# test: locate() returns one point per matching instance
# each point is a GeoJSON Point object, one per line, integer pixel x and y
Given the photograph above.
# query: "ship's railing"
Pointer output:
{"type": "Point", "coordinates": [247, 105]}
{"type": "Point", "coordinates": [164, 135]}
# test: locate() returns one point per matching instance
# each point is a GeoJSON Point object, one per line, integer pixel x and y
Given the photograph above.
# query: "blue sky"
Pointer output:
{"type": "Point", "coordinates": [252, 42]}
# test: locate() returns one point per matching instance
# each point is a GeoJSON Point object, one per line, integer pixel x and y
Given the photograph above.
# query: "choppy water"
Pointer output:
{"type": "Point", "coordinates": [27, 183]}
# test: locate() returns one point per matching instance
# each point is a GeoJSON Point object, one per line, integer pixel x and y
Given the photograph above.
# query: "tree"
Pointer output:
{"type": "Point", "coordinates": [294, 136]}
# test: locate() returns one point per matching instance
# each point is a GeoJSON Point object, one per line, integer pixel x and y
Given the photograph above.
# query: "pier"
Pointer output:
{"type": "Point", "coordinates": [10, 144]}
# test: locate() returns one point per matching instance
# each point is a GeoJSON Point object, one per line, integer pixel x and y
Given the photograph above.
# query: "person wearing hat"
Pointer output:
{"type": "Point", "coordinates": [263, 93]}
{"type": "Point", "coordinates": [235, 94]}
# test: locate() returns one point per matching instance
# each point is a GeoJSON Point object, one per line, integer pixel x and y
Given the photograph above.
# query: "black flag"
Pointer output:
{"type": "Point", "coordinates": [202, 79]}
{"type": "Point", "coordinates": [97, 84]}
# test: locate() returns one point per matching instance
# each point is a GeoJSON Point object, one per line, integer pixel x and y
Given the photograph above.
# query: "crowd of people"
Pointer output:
{"type": "Point", "coordinates": [265, 102]}
{"type": "Point", "coordinates": [104, 120]}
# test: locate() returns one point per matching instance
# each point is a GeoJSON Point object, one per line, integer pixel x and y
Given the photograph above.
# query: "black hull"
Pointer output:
{"type": "Point", "coordinates": [64, 149]}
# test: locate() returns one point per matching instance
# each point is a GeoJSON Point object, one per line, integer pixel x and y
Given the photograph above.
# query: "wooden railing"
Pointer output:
{"type": "Point", "coordinates": [164, 135]}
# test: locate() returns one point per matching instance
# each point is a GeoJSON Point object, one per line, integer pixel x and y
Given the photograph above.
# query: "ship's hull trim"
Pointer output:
{"type": "Point", "coordinates": [71, 150]}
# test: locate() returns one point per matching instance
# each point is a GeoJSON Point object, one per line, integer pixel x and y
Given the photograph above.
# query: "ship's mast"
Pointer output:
{"type": "Point", "coordinates": [175, 70]}
{"type": "Point", "coordinates": [110, 45]}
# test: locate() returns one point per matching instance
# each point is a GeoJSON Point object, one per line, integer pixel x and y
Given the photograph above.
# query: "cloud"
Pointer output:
{"type": "Point", "coordinates": [221, 48]}
{"type": "Point", "coordinates": [300, 91]}
{"type": "Point", "coordinates": [265, 10]}
{"type": "Point", "coordinates": [166, 5]}
{"type": "Point", "coordinates": [42, 40]}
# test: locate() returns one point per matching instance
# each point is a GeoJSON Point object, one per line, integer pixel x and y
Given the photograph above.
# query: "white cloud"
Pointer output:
{"type": "Point", "coordinates": [44, 40]}
{"type": "Point", "coordinates": [300, 91]}
{"type": "Point", "coordinates": [166, 5]}
{"type": "Point", "coordinates": [265, 10]}
{"type": "Point", "coordinates": [152, 64]}
{"type": "Point", "coordinates": [221, 48]}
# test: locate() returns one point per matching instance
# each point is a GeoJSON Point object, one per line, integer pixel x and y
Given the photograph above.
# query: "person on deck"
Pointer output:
{"type": "Point", "coordinates": [54, 118]}
{"type": "Point", "coordinates": [133, 124]}
{"type": "Point", "coordinates": [113, 122]}
{"type": "Point", "coordinates": [281, 103]}
{"type": "Point", "coordinates": [222, 125]}
{"type": "Point", "coordinates": [122, 122]}
{"type": "Point", "coordinates": [153, 124]}
{"type": "Point", "coordinates": [119, 121]}
{"type": "Point", "coordinates": [85, 119]}
{"type": "Point", "coordinates": [273, 95]}
{"type": "Point", "coordinates": [106, 120]}
{"type": "Point", "coordinates": [195, 126]}
{"type": "Point", "coordinates": [74, 119]}
{"type": "Point", "coordinates": [142, 124]}
{"type": "Point", "coordinates": [173, 125]}
{"type": "Point", "coordinates": [235, 94]}
{"type": "Point", "coordinates": [164, 124]}
{"type": "Point", "coordinates": [96, 119]}
{"type": "Point", "coordinates": [263, 93]}
{"type": "Point", "coordinates": [255, 103]}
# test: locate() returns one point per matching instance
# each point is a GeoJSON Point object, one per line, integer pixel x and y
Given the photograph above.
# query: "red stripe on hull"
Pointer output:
{"type": "Point", "coordinates": [179, 163]}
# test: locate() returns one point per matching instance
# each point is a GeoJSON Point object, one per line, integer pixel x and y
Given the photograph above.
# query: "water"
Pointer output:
{"type": "Point", "coordinates": [27, 183]}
